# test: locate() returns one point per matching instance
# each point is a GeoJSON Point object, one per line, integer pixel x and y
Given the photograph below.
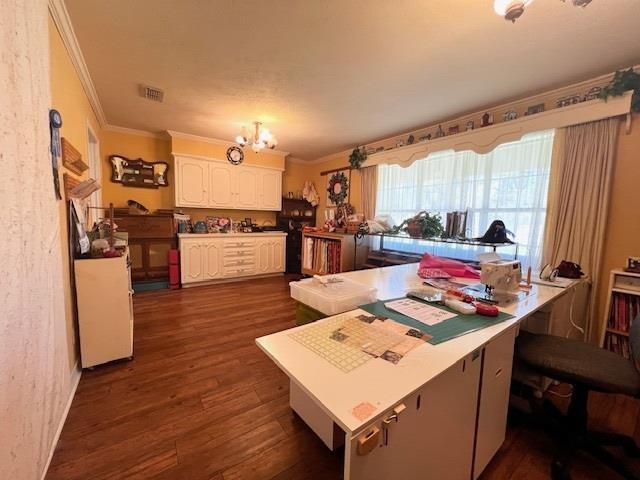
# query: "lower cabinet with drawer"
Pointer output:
{"type": "Point", "coordinates": [214, 257]}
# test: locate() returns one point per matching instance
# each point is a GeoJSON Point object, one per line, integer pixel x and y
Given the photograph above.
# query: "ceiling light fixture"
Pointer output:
{"type": "Point", "coordinates": [510, 9]}
{"type": "Point", "coordinates": [513, 9]}
{"type": "Point", "coordinates": [261, 138]}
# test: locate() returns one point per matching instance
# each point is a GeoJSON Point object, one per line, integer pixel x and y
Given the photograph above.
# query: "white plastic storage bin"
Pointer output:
{"type": "Point", "coordinates": [332, 298]}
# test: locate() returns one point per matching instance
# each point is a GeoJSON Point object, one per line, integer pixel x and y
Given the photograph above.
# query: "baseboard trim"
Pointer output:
{"type": "Point", "coordinates": [75, 380]}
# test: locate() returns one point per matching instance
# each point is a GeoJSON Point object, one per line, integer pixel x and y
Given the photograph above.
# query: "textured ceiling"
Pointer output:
{"type": "Point", "coordinates": [325, 75]}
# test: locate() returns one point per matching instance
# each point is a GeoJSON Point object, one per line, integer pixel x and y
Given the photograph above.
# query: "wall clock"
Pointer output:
{"type": "Point", "coordinates": [235, 155]}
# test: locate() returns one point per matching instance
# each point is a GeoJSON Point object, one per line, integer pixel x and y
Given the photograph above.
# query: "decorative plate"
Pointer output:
{"type": "Point", "coordinates": [235, 155]}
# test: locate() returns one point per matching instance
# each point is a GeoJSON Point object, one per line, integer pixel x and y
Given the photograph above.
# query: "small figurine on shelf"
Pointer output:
{"type": "Point", "coordinates": [453, 130]}
{"type": "Point", "coordinates": [487, 119]}
{"type": "Point", "coordinates": [440, 133]}
{"type": "Point", "coordinates": [470, 125]}
{"type": "Point", "coordinates": [510, 115]}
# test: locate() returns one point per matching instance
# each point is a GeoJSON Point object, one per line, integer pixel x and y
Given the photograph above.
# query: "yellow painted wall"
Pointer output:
{"type": "Point", "coordinates": [135, 146]}
{"type": "Point", "coordinates": [623, 223]}
{"type": "Point", "coordinates": [69, 98]}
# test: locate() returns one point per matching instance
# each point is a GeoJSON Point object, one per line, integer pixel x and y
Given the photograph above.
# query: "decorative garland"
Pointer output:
{"type": "Point", "coordinates": [357, 157]}
{"type": "Point", "coordinates": [623, 81]}
{"type": "Point", "coordinates": [338, 178]}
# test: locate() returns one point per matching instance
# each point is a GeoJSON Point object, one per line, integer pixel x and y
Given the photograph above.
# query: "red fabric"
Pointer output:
{"type": "Point", "coordinates": [454, 268]}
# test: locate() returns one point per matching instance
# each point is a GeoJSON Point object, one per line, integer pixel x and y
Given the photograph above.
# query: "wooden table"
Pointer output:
{"type": "Point", "coordinates": [456, 393]}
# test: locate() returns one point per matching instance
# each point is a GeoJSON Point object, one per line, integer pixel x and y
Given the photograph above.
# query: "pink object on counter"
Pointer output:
{"type": "Point", "coordinates": [454, 268]}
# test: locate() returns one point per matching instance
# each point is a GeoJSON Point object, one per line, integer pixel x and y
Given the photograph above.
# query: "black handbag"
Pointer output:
{"type": "Point", "coordinates": [496, 233]}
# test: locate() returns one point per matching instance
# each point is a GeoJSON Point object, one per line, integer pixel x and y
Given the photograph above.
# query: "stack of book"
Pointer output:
{"type": "Point", "coordinates": [624, 308]}
{"type": "Point", "coordinates": [456, 226]}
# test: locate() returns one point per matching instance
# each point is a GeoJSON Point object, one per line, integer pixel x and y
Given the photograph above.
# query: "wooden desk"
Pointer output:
{"type": "Point", "coordinates": [456, 393]}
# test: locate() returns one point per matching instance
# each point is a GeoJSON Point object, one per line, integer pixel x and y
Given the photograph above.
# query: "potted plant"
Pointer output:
{"type": "Point", "coordinates": [423, 225]}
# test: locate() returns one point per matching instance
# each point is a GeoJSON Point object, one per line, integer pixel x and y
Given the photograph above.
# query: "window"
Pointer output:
{"type": "Point", "coordinates": [510, 183]}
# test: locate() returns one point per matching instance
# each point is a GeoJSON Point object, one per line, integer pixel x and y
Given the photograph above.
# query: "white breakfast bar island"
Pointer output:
{"type": "Point", "coordinates": [439, 413]}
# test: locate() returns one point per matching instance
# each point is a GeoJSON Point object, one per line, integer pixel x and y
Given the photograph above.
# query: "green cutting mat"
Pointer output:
{"type": "Point", "coordinates": [443, 331]}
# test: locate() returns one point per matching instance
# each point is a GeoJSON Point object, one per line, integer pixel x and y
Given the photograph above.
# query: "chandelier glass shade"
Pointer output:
{"type": "Point", "coordinates": [260, 138]}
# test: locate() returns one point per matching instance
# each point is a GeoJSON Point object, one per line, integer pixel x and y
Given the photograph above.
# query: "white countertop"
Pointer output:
{"type": "Point", "coordinates": [379, 382]}
{"type": "Point", "coordinates": [231, 235]}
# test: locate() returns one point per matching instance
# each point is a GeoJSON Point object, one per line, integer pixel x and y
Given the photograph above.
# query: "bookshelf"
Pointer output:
{"type": "Point", "coordinates": [326, 253]}
{"type": "Point", "coordinates": [623, 305]}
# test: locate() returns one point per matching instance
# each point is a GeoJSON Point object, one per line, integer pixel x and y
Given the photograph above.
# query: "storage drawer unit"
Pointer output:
{"type": "Point", "coordinates": [210, 257]}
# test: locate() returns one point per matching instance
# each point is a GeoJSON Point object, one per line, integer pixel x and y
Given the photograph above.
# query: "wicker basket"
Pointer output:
{"type": "Point", "coordinates": [414, 225]}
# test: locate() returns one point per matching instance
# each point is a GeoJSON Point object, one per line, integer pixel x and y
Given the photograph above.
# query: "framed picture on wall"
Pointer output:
{"type": "Point", "coordinates": [338, 184]}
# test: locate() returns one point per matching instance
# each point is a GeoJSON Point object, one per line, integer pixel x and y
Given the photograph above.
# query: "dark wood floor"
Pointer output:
{"type": "Point", "coordinates": [201, 401]}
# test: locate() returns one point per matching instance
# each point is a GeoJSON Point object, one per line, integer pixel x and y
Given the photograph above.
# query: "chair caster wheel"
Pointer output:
{"type": "Point", "coordinates": [558, 472]}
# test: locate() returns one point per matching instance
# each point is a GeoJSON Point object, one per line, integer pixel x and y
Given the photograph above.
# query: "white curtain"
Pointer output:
{"type": "Point", "coordinates": [510, 183]}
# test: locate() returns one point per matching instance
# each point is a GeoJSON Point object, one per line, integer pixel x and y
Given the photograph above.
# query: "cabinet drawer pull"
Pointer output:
{"type": "Point", "coordinates": [498, 372]}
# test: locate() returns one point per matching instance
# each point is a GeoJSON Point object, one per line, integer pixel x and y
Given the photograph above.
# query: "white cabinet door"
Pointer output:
{"type": "Point", "coordinates": [494, 399]}
{"type": "Point", "coordinates": [270, 254]}
{"type": "Point", "coordinates": [270, 190]}
{"type": "Point", "coordinates": [277, 264]}
{"type": "Point", "coordinates": [212, 259]}
{"type": "Point", "coordinates": [247, 180]}
{"type": "Point", "coordinates": [433, 437]}
{"type": "Point", "coordinates": [264, 254]}
{"type": "Point", "coordinates": [221, 186]}
{"type": "Point", "coordinates": [192, 182]}
{"type": "Point", "coordinates": [191, 262]}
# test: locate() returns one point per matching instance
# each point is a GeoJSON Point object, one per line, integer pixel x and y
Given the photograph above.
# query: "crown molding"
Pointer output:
{"type": "Point", "coordinates": [62, 21]}
{"type": "Point", "coordinates": [216, 141]}
{"type": "Point", "coordinates": [133, 131]}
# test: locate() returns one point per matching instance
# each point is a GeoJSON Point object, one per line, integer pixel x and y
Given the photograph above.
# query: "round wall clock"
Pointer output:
{"type": "Point", "coordinates": [235, 155]}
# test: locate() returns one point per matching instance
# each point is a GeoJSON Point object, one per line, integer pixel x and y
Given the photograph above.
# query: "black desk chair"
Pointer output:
{"type": "Point", "coordinates": [587, 368]}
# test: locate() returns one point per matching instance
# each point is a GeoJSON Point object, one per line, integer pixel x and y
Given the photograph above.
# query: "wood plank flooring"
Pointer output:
{"type": "Point", "coordinates": [201, 401]}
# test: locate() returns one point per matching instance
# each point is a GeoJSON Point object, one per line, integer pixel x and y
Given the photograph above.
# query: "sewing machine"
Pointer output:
{"type": "Point", "coordinates": [500, 282]}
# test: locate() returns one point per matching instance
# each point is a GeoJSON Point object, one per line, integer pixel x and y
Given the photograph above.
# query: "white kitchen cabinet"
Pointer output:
{"type": "Point", "coordinates": [270, 253]}
{"type": "Point", "coordinates": [192, 182]}
{"type": "Point", "coordinates": [191, 261]}
{"type": "Point", "coordinates": [212, 260]}
{"type": "Point", "coordinates": [270, 190]}
{"type": "Point", "coordinates": [494, 398]}
{"type": "Point", "coordinates": [105, 309]}
{"type": "Point", "coordinates": [208, 257]}
{"type": "Point", "coordinates": [221, 186]}
{"type": "Point", "coordinates": [432, 438]}
{"type": "Point", "coordinates": [209, 183]}
{"type": "Point", "coordinates": [247, 179]}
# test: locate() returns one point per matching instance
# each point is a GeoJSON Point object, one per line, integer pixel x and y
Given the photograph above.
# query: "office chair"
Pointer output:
{"type": "Point", "coordinates": [586, 368]}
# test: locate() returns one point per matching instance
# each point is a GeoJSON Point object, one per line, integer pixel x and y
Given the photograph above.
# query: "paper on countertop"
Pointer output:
{"type": "Point", "coordinates": [420, 311]}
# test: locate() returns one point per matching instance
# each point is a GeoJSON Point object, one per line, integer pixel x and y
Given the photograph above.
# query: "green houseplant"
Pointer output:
{"type": "Point", "coordinates": [423, 225]}
{"type": "Point", "coordinates": [357, 157]}
{"type": "Point", "coordinates": [623, 81]}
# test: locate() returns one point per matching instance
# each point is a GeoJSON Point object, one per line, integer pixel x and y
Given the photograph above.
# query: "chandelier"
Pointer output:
{"type": "Point", "coordinates": [512, 9]}
{"type": "Point", "coordinates": [260, 138]}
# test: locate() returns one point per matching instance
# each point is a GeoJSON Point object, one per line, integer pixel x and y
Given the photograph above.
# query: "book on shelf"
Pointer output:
{"type": "Point", "coordinates": [624, 309]}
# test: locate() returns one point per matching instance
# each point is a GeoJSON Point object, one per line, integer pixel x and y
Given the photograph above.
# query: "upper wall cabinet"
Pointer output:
{"type": "Point", "coordinates": [193, 185]}
{"type": "Point", "coordinates": [208, 183]}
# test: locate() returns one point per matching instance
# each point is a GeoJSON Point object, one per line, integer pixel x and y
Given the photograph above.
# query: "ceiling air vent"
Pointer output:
{"type": "Point", "coordinates": [152, 93]}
